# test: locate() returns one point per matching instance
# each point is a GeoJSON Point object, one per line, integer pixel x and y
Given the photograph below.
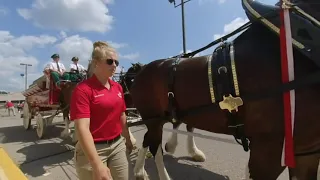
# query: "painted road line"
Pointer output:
{"type": "Point", "coordinates": [8, 169]}
{"type": "Point", "coordinates": [3, 175]}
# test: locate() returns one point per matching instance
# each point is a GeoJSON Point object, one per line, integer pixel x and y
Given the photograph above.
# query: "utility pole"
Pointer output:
{"type": "Point", "coordinates": [183, 23]}
{"type": "Point", "coordinates": [26, 74]}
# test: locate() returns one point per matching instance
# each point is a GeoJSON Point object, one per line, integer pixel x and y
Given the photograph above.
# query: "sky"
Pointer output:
{"type": "Point", "coordinates": [141, 31]}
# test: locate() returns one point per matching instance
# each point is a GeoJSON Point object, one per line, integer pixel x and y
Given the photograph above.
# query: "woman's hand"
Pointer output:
{"type": "Point", "coordinates": [101, 172]}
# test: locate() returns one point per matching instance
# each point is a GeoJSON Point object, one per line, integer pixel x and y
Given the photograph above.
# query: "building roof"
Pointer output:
{"type": "Point", "coordinates": [17, 96]}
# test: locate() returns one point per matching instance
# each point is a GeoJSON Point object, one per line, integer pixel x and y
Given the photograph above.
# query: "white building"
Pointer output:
{"type": "Point", "coordinates": [14, 97]}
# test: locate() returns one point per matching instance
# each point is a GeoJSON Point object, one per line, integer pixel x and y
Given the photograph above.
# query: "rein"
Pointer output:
{"type": "Point", "coordinates": [246, 26]}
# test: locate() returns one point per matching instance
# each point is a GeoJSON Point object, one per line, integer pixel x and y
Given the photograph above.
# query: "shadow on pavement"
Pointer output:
{"type": "Point", "coordinates": [36, 166]}
{"type": "Point", "coordinates": [178, 170]}
{"type": "Point", "coordinates": [25, 148]}
{"type": "Point", "coordinates": [36, 156]}
{"type": "Point", "coordinates": [17, 134]}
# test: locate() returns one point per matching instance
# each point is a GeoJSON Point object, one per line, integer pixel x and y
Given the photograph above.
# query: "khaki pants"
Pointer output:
{"type": "Point", "coordinates": [11, 109]}
{"type": "Point", "coordinates": [114, 155]}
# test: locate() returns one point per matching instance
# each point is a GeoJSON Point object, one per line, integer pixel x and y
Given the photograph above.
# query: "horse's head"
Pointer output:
{"type": "Point", "coordinates": [126, 80]}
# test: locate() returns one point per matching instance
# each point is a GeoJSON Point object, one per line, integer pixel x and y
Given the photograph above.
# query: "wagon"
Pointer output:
{"type": "Point", "coordinates": [41, 104]}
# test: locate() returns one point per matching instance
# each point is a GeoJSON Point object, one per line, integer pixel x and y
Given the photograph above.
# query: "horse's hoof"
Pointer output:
{"type": "Point", "coordinates": [141, 175]}
{"type": "Point", "coordinates": [149, 155]}
{"type": "Point", "coordinates": [199, 157]}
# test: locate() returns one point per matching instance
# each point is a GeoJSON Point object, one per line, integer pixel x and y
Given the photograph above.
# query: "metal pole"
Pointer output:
{"type": "Point", "coordinates": [183, 28]}
{"type": "Point", "coordinates": [183, 23]}
{"type": "Point", "coordinates": [26, 74]}
{"type": "Point", "coordinates": [26, 79]}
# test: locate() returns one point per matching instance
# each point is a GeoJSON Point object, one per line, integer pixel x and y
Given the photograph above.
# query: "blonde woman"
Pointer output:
{"type": "Point", "coordinates": [98, 110]}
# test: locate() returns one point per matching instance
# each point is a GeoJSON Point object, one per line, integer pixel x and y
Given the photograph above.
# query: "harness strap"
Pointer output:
{"type": "Point", "coordinates": [225, 86]}
{"type": "Point", "coordinates": [172, 110]}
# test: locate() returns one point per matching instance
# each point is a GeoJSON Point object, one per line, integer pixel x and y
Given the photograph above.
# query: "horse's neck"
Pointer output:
{"type": "Point", "coordinates": [124, 88]}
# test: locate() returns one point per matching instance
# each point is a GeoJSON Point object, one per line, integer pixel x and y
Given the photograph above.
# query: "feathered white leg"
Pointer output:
{"type": "Point", "coordinates": [163, 174]}
{"type": "Point", "coordinates": [139, 171]}
{"type": "Point", "coordinates": [195, 153]}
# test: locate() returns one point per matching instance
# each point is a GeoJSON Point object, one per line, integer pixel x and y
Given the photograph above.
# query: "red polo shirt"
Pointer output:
{"type": "Point", "coordinates": [9, 104]}
{"type": "Point", "coordinates": [90, 99]}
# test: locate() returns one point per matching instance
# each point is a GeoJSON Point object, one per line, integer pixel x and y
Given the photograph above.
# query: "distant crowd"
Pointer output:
{"type": "Point", "coordinates": [10, 107]}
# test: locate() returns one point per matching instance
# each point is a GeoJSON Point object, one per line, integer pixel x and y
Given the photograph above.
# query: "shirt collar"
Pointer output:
{"type": "Point", "coordinates": [96, 81]}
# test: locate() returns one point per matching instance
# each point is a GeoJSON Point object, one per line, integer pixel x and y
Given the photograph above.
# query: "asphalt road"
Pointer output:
{"type": "Point", "coordinates": [52, 157]}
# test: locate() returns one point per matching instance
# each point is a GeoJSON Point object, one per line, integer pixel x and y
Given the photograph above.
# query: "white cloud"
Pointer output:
{"type": "Point", "coordinates": [131, 56]}
{"type": "Point", "coordinates": [66, 15]}
{"type": "Point", "coordinates": [13, 51]}
{"type": "Point", "coordinates": [117, 45]}
{"type": "Point", "coordinates": [74, 46]}
{"type": "Point", "coordinates": [108, 1]}
{"type": "Point", "coordinates": [16, 50]}
{"type": "Point", "coordinates": [4, 11]}
{"type": "Point", "coordinates": [27, 42]}
{"type": "Point", "coordinates": [62, 34]}
{"type": "Point", "coordinates": [221, 1]}
{"type": "Point", "coordinates": [82, 47]}
{"type": "Point", "coordinates": [201, 2]}
{"type": "Point", "coordinates": [233, 25]}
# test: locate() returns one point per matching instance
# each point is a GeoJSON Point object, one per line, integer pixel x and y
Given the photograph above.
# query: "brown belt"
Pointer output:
{"type": "Point", "coordinates": [109, 141]}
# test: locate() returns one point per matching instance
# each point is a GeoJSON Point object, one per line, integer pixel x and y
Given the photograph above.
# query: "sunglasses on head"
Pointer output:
{"type": "Point", "coordinates": [110, 62]}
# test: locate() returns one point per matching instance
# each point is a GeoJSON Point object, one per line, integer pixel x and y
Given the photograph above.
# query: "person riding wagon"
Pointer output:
{"type": "Point", "coordinates": [77, 71]}
{"type": "Point", "coordinates": [57, 70]}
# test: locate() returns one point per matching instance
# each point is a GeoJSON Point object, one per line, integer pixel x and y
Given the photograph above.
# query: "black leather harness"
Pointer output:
{"type": "Point", "coordinates": [223, 85]}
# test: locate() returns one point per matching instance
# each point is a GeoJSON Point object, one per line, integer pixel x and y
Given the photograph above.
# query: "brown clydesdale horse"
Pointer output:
{"type": "Point", "coordinates": [190, 90]}
{"type": "Point", "coordinates": [126, 82]}
{"type": "Point", "coordinates": [65, 98]}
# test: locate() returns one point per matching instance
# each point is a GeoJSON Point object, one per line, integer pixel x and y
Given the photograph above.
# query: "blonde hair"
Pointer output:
{"type": "Point", "coordinates": [101, 50]}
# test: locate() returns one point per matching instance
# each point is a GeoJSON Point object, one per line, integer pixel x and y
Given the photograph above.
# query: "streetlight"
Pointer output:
{"type": "Point", "coordinates": [26, 74]}
{"type": "Point", "coordinates": [183, 24]}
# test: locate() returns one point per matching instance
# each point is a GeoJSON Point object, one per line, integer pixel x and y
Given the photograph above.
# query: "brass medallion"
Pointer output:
{"type": "Point", "coordinates": [231, 103]}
